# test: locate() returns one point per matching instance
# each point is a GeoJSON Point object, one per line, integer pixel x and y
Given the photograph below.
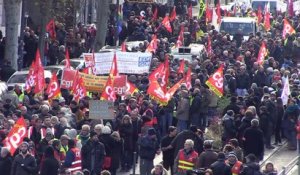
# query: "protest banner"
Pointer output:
{"type": "Point", "coordinates": [128, 62]}
{"type": "Point", "coordinates": [101, 109]}
{"type": "Point", "coordinates": [92, 83]}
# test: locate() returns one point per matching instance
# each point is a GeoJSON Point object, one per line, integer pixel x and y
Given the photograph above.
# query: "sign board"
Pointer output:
{"type": "Point", "coordinates": [92, 83]}
{"type": "Point", "coordinates": [101, 109]}
{"type": "Point", "coordinates": [127, 62]}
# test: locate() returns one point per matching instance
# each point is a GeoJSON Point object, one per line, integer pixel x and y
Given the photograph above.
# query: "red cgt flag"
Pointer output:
{"type": "Point", "coordinates": [67, 64]}
{"type": "Point", "coordinates": [208, 14]}
{"type": "Point", "coordinates": [167, 73]}
{"type": "Point", "coordinates": [181, 67]}
{"type": "Point", "coordinates": [152, 45]}
{"type": "Point", "coordinates": [263, 52]}
{"type": "Point", "coordinates": [215, 82]}
{"type": "Point", "coordinates": [267, 23]}
{"type": "Point", "coordinates": [39, 74]}
{"type": "Point", "coordinates": [79, 90]}
{"type": "Point", "coordinates": [53, 89]}
{"type": "Point", "coordinates": [31, 79]}
{"type": "Point", "coordinates": [173, 14]}
{"type": "Point", "coordinates": [50, 28]}
{"type": "Point", "coordinates": [188, 79]}
{"type": "Point", "coordinates": [218, 11]}
{"type": "Point", "coordinates": [123, 47]}
{"type": "Point", "coordinates": [130, 88]}
{"type": "Point", "coordinates": [166, 23]}
{"type": "Point", "coordinates": [16, 135]}
{"type": "Point", "coordinates": [180, 39]}
{"type": "Point", "coordinates": [109, 93]}
{"type": "Point", "coordinates": [209, 47]}
{"type": "Point", "coordinates": [190, 11]}
{"type": "Point", "coordinates": [259, 15]}
{"type": "Point", "coordinates": [287, 28]}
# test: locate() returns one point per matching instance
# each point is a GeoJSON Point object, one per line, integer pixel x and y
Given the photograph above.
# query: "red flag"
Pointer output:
{"type": "Point", "coordinates": [259, 15]}
{"type": "Point", "coordinates": [180, 39]}
{"type": "Point", "coordinates": [53, 89]}
{"type": "Point", "coordinates": [16, 135]}
{"type": "Point", "coordinates": [130, 88]}
{"type": "Point", "coordinates": [181, 67]}
{"type": "Point", "coordinates": [50, 28]}
{"type": "Point", "coordinates": [79, 90]}
{"type": "Point", "coordinates": [218, 10]}
{"type": "Point", "coordinates": [155, 14]}
{"type": "Point", "coordinates": [166, 23]}
{"type": "Point", "coordinates": [263, 52]}
{"type": "Point", "coordinates": [173, 14]}
{"type": "Point", "coordinates": [67, 64]}
{"type": "Point", "coordinates": [188, 79]}
{"type": "Point", "coordinates": [208, 14]}
{"type": "Point", "coordinates": [215, 82]}
{"type": "Point", "coordinates": [173, 89]}
{"type": "Point", "coordinates": [31, 78]}
{"type": "Point", "coordinates": [86, 70]}
{"type": "Point", "coordinates": [190, 11]}
{"type": "Point", "coordinates": [109, 93]}
{"type": "Point", "coordinates": [157, 73]}
{"type": "Point", "coordinates": [152, 45]}
{"type": "Point", "coordinates": [123, 47]}
{"type": "Point", "coordinates": [287, 28]}
{"type": "Point", "coordinates": [39, 74]}
{"type": "Point", "coordinates": [267, 23]}
{"type": "Point", "coordinates": [291, 8]}
{"type": "Point", "coordinates": [209, 47]}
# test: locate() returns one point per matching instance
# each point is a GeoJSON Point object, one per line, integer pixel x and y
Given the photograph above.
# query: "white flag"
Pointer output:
{"type": "Point", "coordinates": [286, 92]}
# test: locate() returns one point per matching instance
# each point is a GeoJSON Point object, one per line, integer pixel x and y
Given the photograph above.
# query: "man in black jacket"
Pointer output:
{"type": "Point", "coordinates": [220, 167]}
{"type": "Point", "coordinates": [24, 163]}
{"type": "Point", "coordinates": [92, 154]}
{"type": "Point", "coordinates": [168, 154]}
{"type": "Point", "coordinates": [148, 148]}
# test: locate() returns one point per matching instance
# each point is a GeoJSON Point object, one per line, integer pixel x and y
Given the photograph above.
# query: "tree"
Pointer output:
{"type": "Point", "coordinates": [12, 21]}
{"type": "Point", "coordinates": [102, 18]}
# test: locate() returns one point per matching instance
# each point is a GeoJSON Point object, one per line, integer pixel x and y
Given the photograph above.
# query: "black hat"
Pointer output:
{"type": "Point", "coordinates": [92, 134]}
{"type": "Point", "coordinates": [221, 156]}
{"type": "Point", "coordinates": [151, 131]}
{"type": "Point", "coordinates": [251, 157]}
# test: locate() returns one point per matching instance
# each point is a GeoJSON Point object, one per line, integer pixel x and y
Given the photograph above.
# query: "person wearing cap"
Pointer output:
{"type": "Point", "coordinates": [24, 163]}
{"type": "Point", "coordinates": [186, 158]}
{"type": "Point", "coordinates": [234, 163]}
{"type": "Point", "coordinates": [208, 156]}
{"type": "Point", "coordinates": [149, 147]}
{"type": "Point", "coordinates": [254, 140]}
{"type": "Point", "coordinates": [220, 167]}
{"type": "Point", "coordinates": [92, 154]}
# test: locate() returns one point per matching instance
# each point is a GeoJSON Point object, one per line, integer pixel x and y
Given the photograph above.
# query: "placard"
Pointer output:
{"type": "Point", "coordinates": [127, 62]}
{"type": "Point", "coordinates": [101, 109]}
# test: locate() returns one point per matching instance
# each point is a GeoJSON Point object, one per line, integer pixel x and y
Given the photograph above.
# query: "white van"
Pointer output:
{"type": "Point", "coordinates": [275, 5]}
{"type": "Point", "coordinates": [231, 25]}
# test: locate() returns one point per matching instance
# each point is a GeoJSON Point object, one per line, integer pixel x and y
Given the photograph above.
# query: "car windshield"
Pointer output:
{"type": "Point", "coordinates": [233, 27]}
{"type": "Point", "coordinates": [18, 78]}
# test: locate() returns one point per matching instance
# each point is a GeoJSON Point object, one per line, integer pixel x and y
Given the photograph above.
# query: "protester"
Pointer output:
{"type": "Point", "coordinates": [220, 167]}
{"type": "Point", "coordinates": [186, 158]}
{"type": "Point", "coordinates": [50, 165]}
{"type": "Point", "coordinates": [5, 161]}
{"type": "Point", "coordinates": [208, 156]}
{"type": "Point", "coordinates": [168, 153]}
{"type": "Point", "coordinates": [269, 169]}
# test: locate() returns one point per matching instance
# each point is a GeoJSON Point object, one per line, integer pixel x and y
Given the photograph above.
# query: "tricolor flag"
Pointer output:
{"type": "Point", "coordinates": [215, 82]}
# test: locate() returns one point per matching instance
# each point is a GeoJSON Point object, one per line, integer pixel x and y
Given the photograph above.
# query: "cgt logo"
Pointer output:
{"type": "Point", "coordinates": [66, 84]}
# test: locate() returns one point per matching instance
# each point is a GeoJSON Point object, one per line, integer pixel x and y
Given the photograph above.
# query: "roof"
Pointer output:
{"type": "Point", "coordinates": [238, 19]}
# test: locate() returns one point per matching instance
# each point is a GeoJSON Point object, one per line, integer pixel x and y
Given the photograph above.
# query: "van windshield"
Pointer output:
{"type": "Point", "coordinates": [262, 4]}
{"type": "Point", "coordinates": [233, 27]}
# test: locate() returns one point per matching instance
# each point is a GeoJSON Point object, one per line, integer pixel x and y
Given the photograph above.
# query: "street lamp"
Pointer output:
{"type": "Point", "coordinates": [26, 15]}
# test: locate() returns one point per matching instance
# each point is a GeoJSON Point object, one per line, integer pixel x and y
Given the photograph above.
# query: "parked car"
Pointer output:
{"type": "Point", "coordinates": [75, 63]}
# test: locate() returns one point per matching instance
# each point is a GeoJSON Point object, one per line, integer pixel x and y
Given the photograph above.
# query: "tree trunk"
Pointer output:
{"type": "Point", "coordinates": [45, 7]}
{"type": "Point", "coordinates": [12, 22]}
{"type": "Point", "coordinates": [102, 18]}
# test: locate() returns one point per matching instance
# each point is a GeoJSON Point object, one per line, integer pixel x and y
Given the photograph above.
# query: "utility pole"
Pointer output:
{"type": "Point", "coordinates": [117, 23]}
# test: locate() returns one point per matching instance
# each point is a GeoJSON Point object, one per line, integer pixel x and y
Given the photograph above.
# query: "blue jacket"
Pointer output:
{"type": "Point", "coordinates": [148, 147]}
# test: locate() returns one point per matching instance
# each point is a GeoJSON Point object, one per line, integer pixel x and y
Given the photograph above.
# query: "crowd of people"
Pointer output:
{"type": "Point", "coordinates": [64, 140]}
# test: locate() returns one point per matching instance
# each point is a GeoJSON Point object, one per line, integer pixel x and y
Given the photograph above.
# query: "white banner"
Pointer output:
{"type": "Point", "coordinates": [127, 62]}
